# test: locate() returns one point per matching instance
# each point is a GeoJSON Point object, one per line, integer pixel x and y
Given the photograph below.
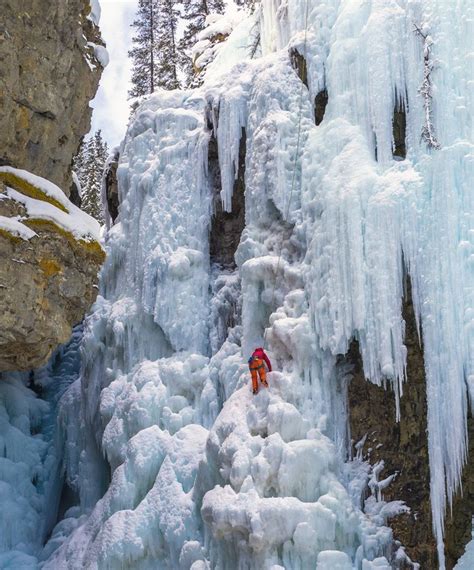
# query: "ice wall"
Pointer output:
{"type": "Point", "coordinates": [178, 466]}
{"type": "Point", "coordinates": [31, 454]}
{"type": "Point", "coordinates": [145, 392]}
{"type": "Point", "coordinates": [378, 218]}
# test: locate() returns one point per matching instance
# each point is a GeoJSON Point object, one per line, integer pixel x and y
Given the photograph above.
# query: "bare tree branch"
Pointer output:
{"type": "Point", "coordinates": [426, 91]}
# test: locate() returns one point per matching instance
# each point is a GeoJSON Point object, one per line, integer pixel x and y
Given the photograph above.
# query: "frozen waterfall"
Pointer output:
{"type": "Point", "coordinates": [172, 462]}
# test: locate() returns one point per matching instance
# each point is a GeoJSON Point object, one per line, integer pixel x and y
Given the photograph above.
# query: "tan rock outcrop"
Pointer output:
{"type": "Point", "coordinates": [48, 75]}
{"type": "Point", "coordinates": [48, 274]}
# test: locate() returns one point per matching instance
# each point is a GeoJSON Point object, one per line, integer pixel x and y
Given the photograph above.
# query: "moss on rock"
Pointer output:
{"type": "Point", "coordinates": [21, 185]}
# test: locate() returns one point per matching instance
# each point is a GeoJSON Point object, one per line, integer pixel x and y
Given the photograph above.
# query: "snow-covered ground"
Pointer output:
{"type": "Point", "coordinates": [174, 462]}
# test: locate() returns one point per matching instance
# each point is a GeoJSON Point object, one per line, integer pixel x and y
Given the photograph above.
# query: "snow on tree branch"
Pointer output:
{"type": "Point", "coordinates": [426, 91]}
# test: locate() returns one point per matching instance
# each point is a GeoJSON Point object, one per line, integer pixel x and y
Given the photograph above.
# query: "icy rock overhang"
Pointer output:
{"type": "Point", "coordinates": [51, 255]}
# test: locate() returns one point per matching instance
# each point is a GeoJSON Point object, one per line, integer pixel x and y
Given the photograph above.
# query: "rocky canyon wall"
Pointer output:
{"type": "Point", "coordinates": [49, 250]}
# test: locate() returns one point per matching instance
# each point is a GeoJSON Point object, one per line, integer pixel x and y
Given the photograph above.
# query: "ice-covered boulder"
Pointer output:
{"type": "Point", "coordinates": [48, 276]}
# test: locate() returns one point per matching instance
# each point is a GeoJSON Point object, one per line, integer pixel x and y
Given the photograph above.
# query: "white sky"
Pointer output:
{"type": "Point", "coordinates": [111, 109]}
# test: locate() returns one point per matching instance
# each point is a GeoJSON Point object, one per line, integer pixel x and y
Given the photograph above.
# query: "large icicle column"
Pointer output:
{"type": "Point", "coordinates": [337, 107]}
{"type": "Point", "coordinates": [378, 217]}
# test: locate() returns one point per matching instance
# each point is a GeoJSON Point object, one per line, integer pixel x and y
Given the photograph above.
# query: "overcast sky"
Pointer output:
{"type": "Point", "coordinates": [111, 108]}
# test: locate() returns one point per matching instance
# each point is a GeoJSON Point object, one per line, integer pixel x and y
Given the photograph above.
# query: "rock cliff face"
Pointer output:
{"type": "Point", "coordinates": [48, 274]}
{"type": "Point", "coordinates": [48, 75]}
{"type": "Point", "coordinates": [49, 251]}
{"type": "Point", "coordinates": [403, 446]}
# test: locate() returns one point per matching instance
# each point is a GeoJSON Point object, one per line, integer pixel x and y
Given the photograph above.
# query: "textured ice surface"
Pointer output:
{"type": "Point", "coordinates": [31, 455]}
{"type": "Point", "coordinates": [206, 49]}
{"type": "Point", "coordinates": [175, 464]}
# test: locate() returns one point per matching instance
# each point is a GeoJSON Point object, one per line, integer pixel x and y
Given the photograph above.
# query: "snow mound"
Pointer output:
{"type": "Point", "coordinates": [100, 53]}
{"type": "Point", "coordinates": [43, 200]}
{"type": "Point", "coordinates": [213, 42]}
{"type": "Point", "coordinates": [94, 14]}
{"type": "Point", "coordinates": [16, 228]}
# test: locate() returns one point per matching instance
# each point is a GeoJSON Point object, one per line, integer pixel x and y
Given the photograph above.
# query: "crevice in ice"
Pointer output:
{"type": "Point", "coordinates": [110, 194]}
{"type": "Point", "coordinates": [225, 305]}
{"type": "Point", "coordinates": [320, 102]}
{"type": "Point", "coordinates": [399, 125]}
{"type": "Point", "coordinates": [299, 64]}
{"type": "Point", "coordinates": [224, 237]}
{"type": "Point", "coordinates": [227, 118]}
{"type": "Point", "coordinates": [226, 226]}
{"type": "Point", "coordinates": [69, 498]}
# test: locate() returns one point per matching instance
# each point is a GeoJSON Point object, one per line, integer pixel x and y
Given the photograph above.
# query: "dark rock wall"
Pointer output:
{"type": "Point", "coordinates": [226, 227]}
{"type": "Point", "coordinates": [48, 75]}
{"type": "Point", "coordinates": [399, 126]}
{"type": "Point", "coordinates": [403, 446]}
{"type": "Point", "coordinates": [47, 284]}
{"type": "Point", "coordinates": [299, 65]}
{"type": "Point", "coordinates": [320, 103]}
{"type": "Point", "coordinates": [458, 521]}
{"type": "Point", "coordinates": [111, 189]}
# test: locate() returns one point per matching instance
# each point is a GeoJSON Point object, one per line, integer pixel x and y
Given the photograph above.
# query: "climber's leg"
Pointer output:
{"type": "Point", "coordinates": [253, 372]}
{"type": "Point", "coordinates": [263, 376]}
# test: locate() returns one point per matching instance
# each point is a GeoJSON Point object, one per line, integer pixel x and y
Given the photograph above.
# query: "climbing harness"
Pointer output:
{"type": "Point", "coordinates": [297, 152]}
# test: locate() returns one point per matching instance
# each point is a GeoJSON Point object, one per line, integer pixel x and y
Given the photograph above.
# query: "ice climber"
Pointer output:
{"type": "Point", "coordinates": [257, 368]}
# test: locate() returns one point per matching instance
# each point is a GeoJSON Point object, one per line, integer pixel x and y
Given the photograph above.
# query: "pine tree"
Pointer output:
{"type": "Point", "coordinates": [79, 162]}
{"type": "Point", "coordinates": [143, 53]}
{"type": "Point", "coordinates": [101, 151]}
{"type": "Point", "coordinates": [155, 51]}
{"type": "Point", "coordinates": [249, 4]}
{"type": "Point", "coordinates": [195, 13]}
{"type": "Point", "coordinates": [166, 45]}
{"type": "Point", "coordinates": [89, 165]}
